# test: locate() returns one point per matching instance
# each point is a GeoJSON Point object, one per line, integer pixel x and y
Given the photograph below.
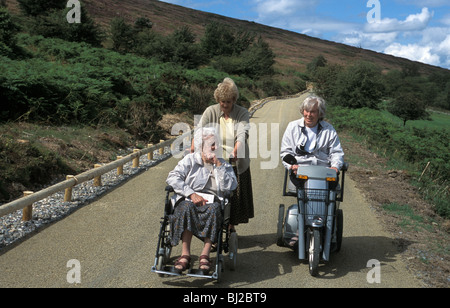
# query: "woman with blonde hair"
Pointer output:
{"type": "Point", "coordinates": [232, 121]}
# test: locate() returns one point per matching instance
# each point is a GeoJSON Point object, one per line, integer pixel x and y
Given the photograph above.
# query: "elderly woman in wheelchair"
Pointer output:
{"type": "Point", "coordinates": [200, 181]}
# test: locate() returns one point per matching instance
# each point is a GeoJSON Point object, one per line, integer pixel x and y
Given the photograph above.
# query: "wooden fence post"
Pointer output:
{"type": "Point", "coordinates": [150, 154]}
{"type": "Point", "coordinates": [161, 150]}
{"type": "Point", "coordinates": [120, 168]}
{"type": "Point", "coordinates": [27, 212]}
{"type": "Point", "coordinates": [136, 159]}
{"type": "Point", "coordinates": [68, 191]}
{"type": "Point", "coordinates": [98, 179]}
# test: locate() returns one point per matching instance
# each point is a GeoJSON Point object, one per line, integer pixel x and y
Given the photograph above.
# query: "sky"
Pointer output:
{"type": "Point", "coordinates": [418, 30]}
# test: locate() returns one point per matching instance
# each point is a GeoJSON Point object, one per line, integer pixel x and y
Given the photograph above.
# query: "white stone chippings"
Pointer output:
{"type": "Point", "coordinates": [53, 208]}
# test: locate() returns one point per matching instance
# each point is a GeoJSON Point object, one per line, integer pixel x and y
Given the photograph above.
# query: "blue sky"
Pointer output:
{"type": "Point", "coordinates": [418, 30]}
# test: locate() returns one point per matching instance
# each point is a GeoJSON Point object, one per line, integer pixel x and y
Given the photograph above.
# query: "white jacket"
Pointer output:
{"type": "Point", "coordinates": [327, 152]}
{"type": "Point", "coordinates": [190, 176]}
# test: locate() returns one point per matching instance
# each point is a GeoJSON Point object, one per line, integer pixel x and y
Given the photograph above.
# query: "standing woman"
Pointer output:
{"type": "Point", "coordinates": [232, 121]}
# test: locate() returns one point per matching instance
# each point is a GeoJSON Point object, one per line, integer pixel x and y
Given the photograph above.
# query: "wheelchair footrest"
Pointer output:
{"type": "Point", "coordinates": [169, 270]}
{"type": "Point", "coordinates": [166, 270]}
{"type": "Point", "coordinates": [199, 273]}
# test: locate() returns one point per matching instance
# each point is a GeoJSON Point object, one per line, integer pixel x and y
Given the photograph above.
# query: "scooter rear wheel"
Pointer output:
{"type": "Point", "coordinates": [280, 224]}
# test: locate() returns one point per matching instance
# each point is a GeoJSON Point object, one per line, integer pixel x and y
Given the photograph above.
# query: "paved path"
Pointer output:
{"type": "Point", "coordinates": [114, 238]}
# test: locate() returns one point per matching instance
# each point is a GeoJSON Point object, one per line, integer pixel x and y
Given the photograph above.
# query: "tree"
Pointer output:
{"type": "Point", "coordinates": [217, 40]}
{"type": "Point", "coordinates": [359, 86]}
{"type": "Point", "coordinates": [39, 7]}
{"type": "Point", "coordinates": [258, 59]}
{"type": "Point", "coordinates": [221, 40]}
{"type": "Point", "coordinates": [8, 31]}
{"type": "Point", "coordinates": [408, 106]}
{"type": "Point", "coordinates": [122, 35]}
{"type": "Point", "coordinates": [317, 62]}
{"type": "Point", "coordinates": [143, 23]}
{"type": "Point", "coordinates": [50, 20]}
{"type": "Point", "coordinates": [182, 48]}
{"type": "Point", "coordinates": [324, 79]}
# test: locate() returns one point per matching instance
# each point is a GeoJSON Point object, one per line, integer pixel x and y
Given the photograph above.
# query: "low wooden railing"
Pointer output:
{"type": "Point", "coordinates": [26, 202]}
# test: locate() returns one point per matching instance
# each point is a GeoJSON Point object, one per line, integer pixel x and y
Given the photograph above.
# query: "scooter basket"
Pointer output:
{"type": "Point", "coordinates": [315, 203]}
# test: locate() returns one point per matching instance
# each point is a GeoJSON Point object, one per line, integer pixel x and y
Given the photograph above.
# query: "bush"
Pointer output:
{"type": "Point", "coordinates": [8, 31]}
{"type": "Point", "coordinates": [358, 86]}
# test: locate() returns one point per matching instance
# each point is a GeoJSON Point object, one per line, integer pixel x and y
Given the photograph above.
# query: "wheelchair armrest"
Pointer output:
{"type": "Point", "coordinates": [169, 188]}
{"type": "Point", "coordinates": [227, 194]}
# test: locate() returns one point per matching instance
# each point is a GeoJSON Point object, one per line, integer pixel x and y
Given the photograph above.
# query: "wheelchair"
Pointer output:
{"type": "Point", "coordinates": [227, 242]}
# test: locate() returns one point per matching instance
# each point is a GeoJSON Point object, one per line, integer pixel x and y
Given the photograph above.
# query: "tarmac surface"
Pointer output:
{"type": "Point", "coordinates": [111, 242]}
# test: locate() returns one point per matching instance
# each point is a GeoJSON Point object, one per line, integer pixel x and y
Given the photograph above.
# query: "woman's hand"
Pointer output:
{"type": "Point", "coordinates": [197, 200]}
{"type": "Point", "coordinates": [234, 154]}
{"type": "Point", "coordinates": [334, 168]}
{"type": "Point", "coordinates": [294, 168]}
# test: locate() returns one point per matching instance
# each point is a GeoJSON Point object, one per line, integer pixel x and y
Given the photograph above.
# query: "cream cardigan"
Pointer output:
{"type": "Point", "coordinates": [240, 117]}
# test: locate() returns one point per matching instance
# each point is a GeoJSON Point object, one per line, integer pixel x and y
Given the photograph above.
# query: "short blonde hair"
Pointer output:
{"type": "Point", "coordinates": [227, 90]}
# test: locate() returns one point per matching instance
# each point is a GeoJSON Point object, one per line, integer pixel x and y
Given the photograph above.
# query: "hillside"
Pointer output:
{"type": "Point", "coordinates": [293, 50]}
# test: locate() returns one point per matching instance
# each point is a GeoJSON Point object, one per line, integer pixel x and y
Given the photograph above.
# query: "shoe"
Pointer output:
{"type": "Point", "coordinates": [205, 264]}
{"type": "Point", "coordinates": [184, 264]}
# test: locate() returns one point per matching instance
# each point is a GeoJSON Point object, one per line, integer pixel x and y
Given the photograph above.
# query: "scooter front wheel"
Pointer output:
{"type": "Point", "coordinates": [314, 251]}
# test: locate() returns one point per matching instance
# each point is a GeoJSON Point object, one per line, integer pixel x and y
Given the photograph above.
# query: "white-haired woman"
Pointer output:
{"type": "Point", "coordinates": [312, 140]}
{"type": "Point", "coordinates": [201, 172]}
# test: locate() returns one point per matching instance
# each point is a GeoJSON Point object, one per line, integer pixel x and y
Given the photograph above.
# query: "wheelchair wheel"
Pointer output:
{"type": "Point", "coordinates": [280, 241]}
{"type": "Point", "coordinates": [164, 250]}
{"type": "Point", "coordinates": [233, 244]}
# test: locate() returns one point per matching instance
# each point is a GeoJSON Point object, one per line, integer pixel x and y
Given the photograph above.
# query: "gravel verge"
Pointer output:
{"type": "Point", "coordinates": [53, 208]}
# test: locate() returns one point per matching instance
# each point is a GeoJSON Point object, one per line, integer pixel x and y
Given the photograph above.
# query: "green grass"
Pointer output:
{"type": "Point", "coordinates": [409, 219]}
{"type": "Point", "coordinates": [439, 120]}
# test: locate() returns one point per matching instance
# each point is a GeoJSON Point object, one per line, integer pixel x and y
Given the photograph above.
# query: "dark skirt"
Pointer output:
{"type": "Point", "coordinates": [242, 199]}
{"type": "Point", "coordinates": [203, 221]}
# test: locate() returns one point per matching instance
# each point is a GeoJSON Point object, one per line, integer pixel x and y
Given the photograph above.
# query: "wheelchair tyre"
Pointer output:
{"type": "Point", "coordinates": [233, 244]}
{"type": "Point", "coordinates": [280, 241]}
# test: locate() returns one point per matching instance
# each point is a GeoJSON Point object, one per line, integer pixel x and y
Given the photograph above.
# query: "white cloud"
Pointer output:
{"type": "Point", "coordinates": [297, 15]}
{"type": "Point", "coordinates": [267, 8]}
{"type": "Point", "coordinates": [444, 49]}
{"type": "Point", "coordinates": [373, 41]}
{"type": "Point", "coordinates": [413, 22]}
{"type": "Point", "coordinates": [414, 52]}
